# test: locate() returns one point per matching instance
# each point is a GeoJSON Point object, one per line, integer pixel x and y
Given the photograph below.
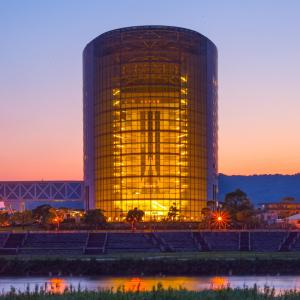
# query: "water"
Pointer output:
{"type": "Point", "coordinates": [59, 284]}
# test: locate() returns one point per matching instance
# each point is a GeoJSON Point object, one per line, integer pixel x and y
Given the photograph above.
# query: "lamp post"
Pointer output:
{"type": "Point", "coordinates": [219, 219]}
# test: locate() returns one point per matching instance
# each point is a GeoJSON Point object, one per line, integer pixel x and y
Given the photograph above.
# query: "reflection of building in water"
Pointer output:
{"type": "Point", "coordinates": [56, 285]}
{"type": "Point", "coordinates": [147, 284]}
{"type": "Point", "coordinates": [219, 283]}
{"type": "Point", "coordinates": [134, 285]}
{"type": "Point", "coordinates": [150, 121]}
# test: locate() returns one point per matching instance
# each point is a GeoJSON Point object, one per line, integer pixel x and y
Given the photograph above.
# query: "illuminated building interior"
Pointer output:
{"type": "Point", "coordinates": [150, 122]}
{"type": "Point", "coordinates": [150, 148]}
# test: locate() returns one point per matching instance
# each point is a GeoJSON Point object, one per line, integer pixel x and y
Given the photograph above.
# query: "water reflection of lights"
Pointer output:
{"type": "Point", "coordinates": [56, 285]}
{"type": "Point", "coordinates": [59, 285]}
{"type": "Point", "coordinates": [134, 285]}
{"type": "Point", "coordinates": [218, 283]}
{"type": "Point", "coordinates": [147, 283]}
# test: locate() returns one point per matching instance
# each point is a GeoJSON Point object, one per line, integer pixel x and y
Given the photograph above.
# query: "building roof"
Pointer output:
{"type": "Point", "coordinates": [280, 203]}
{"type": "Point", "coordinates": [293, 218]}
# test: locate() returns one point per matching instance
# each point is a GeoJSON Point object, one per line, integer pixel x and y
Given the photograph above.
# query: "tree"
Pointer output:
{"type": "Point", "coordinates": [40, 213]}
{"type": "Point", "coordinates": [22, 218]}
{"type": "Point", "coordinates": [54, 217]}
{"type": "Point", "coordinates": [4, 219]}
{"type": "Point", "coordinates": [47, 215]}
{"type": "Point", "coordinates": [133, 216]}
{"type": "Point", "coordinates": [239, 207]}
{"type": "Point", "coordinates": [94, 217]}
{"type": "Point", "coordinates": [173, 212]}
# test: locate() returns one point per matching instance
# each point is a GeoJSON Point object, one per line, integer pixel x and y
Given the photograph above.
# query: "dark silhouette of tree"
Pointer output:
{"type": "Point", "coordinates": [47, 215]}
{"type": "Point", "coordinates": [94, 217]}
{"type": "Point", "coordinates": [173, 212]}
{"type": "Point", "coordinates": [239, 207]}
{"type": "Point", "coordinates": [22, 218]}
{"type": "Point", "coordinates": [41, 213]}
{"type": "Point", "coordinates": [4, 219]}
{"type": "Point", "coordinates": [133, 216]}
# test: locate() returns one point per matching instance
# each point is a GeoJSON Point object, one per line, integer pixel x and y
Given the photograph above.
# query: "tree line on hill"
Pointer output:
{"type": "Point", "coordinates": [261, 188]}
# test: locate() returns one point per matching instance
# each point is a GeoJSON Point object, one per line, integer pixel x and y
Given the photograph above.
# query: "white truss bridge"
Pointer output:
{"type": "Point", "coordinates": [14, 193]}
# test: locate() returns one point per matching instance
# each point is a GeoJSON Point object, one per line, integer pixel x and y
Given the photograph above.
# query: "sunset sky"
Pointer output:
{"type": "Point", "coordinates": [41, 79]}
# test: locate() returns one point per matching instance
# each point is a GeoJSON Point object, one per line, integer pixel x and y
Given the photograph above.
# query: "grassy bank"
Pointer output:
{"type": "Point", "coordinates": [158, 293]}
{"type": "Point", "coordinates": [153, 264]}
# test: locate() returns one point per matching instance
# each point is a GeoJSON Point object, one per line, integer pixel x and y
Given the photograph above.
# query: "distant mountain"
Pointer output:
{"type": "Point", "coordinates": [261, 188]}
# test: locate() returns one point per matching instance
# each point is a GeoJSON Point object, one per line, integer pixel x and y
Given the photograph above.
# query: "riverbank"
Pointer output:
{"type": "Point", "coordinates": [211, 263]}
{"type": "Point", "coordinates": [158, 293]}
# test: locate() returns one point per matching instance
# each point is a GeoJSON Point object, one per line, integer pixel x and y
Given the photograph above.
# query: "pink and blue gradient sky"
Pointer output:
{"type": "Point", "coordinates": [41, 79]}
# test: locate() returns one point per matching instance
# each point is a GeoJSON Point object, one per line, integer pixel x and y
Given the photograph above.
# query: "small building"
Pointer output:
{"type": "Point", "coordinates": [293, 220]}
{"type": "Point", "coordinates": [273, 211]}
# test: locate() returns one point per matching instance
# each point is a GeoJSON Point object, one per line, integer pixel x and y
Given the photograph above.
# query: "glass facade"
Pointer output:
{"type": "Point", "coordinates": [150, 119]}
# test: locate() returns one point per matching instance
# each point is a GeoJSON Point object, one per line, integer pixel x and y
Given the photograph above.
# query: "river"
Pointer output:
{"type": "Point", "coordinates": [59, 284]}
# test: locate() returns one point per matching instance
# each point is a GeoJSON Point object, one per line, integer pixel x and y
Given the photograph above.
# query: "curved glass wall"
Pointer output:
{"type": "Point", "coordinates": [150, 121]}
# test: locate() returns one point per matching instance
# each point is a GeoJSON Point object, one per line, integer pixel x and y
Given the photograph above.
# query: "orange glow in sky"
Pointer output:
{"type": "Point", "coordinates": [41, 80]}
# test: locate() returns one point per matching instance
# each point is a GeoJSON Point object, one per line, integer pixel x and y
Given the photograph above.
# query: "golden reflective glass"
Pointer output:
{"type": "Point", "coordinates": [150, 126]}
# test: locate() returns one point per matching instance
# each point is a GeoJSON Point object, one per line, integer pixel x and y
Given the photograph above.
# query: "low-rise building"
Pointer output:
{"type": "Point", "coordinates": [271, 212]}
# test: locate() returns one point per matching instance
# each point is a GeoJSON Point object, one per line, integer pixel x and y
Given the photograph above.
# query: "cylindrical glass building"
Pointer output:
{"type": "Point", "coordinates": [150, 122]}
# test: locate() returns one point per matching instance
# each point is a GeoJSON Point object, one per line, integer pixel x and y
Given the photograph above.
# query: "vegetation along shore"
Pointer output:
{"type": "Point", "coordinates": [157, 293]}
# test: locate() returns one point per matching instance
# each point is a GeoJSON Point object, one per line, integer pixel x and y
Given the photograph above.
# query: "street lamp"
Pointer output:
{"type": "Point", "coordinates": [220, 219]}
